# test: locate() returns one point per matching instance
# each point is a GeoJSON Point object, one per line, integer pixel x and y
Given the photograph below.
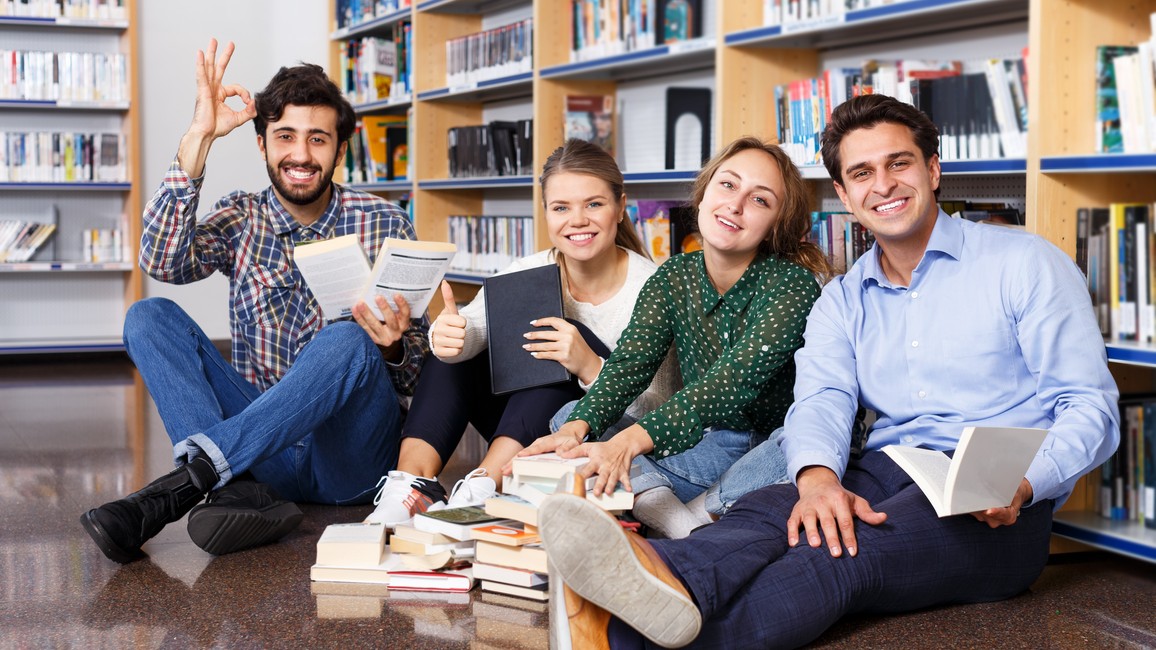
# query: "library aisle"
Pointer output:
{"type": "Point", "coordinates": [69, 440]}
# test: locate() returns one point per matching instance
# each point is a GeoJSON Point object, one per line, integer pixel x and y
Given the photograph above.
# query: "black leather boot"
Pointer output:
{"type": "Point", "coordinates": [121, 527]}
{"type": "Point", "coordinates": [241, 515]}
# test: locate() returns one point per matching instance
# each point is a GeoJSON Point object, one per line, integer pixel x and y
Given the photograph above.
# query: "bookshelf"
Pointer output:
{"type": "Point", "coordinates": [62, 300]}
{"type": "Point", "coordinates": [742, 61]}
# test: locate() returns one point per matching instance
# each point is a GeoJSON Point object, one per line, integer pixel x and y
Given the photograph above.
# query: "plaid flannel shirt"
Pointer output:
{"type": "Point", "coordinates": [250, 237]}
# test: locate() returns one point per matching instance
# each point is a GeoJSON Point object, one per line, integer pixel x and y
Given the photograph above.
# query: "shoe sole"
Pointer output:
{"type": "Point", "coordinates": [613, 579]}
{"type": "Point", "coordinates": [221, 530]}
{"type": "Point", "coordinates": [104, 542]}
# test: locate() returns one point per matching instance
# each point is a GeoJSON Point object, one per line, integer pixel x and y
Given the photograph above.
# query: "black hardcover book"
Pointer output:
{"type": "Point", "coordinates": [687, 127]}
{"type": "Point", "coordinates": [512, 301]}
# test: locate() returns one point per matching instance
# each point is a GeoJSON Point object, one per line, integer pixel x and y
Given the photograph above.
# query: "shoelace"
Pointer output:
{"type": "Point", "coordinates": [380, 484]}
{"type": "Point", "coordinates": [477, 473]}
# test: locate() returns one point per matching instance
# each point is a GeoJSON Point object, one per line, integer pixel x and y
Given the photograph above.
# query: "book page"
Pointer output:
{"type": "Point", "coordinates": [335, 271]}
{"type": "Point", "coordinates": [927, 467]}
{"type": "Point", "coordinates": [413, 269]}
{"type": "Point", "coordinates": [989, 465]}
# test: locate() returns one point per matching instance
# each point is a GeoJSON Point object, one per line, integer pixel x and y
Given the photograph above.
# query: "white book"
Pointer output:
{"type": "Point", "coordinates": [985, 471]}
{"type": "Point", "coordinates": [338, 273]}
{"type": "Point", "coordinates": [356, 544]}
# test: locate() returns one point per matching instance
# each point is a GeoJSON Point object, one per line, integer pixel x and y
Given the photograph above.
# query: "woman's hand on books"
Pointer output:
{"type": "Point", "coordinates": [610, 461]}
{"type": "Point", "coordinates": [447, 335]}
{"type": "Point", "coordinates": [564, 344]}
{"type": "Point", "coordinates": [567, 437]}
{"type": "Point", "coordinates": [385, 333]}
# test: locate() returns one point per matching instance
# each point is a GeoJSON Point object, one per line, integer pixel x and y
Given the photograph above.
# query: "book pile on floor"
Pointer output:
{"type": "Point", "coordinates": [509, 559]}
{"type": "Point", "coordinates": [350, 578]}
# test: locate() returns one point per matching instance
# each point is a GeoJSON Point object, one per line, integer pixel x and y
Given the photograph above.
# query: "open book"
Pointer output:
{"type": "Point", "coordinates": [986, 470]}
{"type": "Point", "coordinates": [338, 273]}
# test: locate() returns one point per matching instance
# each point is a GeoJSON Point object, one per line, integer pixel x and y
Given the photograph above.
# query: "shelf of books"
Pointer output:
{"type": "Point", "coordinates": [69, 197]}
{"type": "Point", "coordinates": [802, 24]}
{"type": "Point", "coordinates": [1092, 183]}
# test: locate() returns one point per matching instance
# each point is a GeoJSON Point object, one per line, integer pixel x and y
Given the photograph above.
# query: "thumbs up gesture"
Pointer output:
{"type": "Point", "coordinates": [447, 335]}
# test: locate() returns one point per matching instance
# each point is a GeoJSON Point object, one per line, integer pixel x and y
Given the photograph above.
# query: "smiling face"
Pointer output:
{"type": "Point", "coordinates": [888, 185]}
{"type": "Point", "coordinates": [581, 215]}
{"type": "Point", "coordinates": [301, 153]}
{"type": "Point", "coordinates": [740, 204]}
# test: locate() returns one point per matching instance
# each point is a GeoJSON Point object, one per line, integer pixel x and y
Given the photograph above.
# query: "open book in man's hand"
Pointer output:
{"type": "Point", "coordinates": [985, 471]}
{"type": "Point", "coordinates": [338, 273]}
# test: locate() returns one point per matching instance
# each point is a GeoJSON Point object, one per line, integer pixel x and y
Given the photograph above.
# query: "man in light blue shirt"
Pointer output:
{"type": "Point", "coordinates": [944, 324]}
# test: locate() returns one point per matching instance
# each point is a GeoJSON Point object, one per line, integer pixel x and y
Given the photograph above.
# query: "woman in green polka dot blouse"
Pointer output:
{"type": "Point", "coordinates": [735, 313]}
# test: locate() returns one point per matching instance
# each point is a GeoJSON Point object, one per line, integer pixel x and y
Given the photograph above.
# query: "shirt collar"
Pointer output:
{"type": "Point", "coordinates": [946, 238]}
{"type": "Point", "coordinates": [739, 295]}
{"type": "Point", "coordinates": [283, 222]}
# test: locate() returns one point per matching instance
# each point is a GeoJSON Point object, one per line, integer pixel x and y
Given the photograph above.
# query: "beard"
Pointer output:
{"type": "Point", "coordinates": [301, 195]}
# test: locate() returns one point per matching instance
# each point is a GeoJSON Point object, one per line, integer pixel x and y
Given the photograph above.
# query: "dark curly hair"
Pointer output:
{"type": "Point", "coordinates": [302, 85]}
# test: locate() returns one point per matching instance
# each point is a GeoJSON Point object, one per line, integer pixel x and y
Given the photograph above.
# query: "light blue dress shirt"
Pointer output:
{"type": "Point", "coordinates": [996, 328]}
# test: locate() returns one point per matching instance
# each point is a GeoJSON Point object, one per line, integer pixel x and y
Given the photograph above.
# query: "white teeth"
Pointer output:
{"type": "Point", "coordinates": [889, 206]}
{"type": "Point", "coordinates": [581, 237]}
{"type": "Point", "coordinates": [729, 224]}
{"type": "Point", "coordinates": [297, 173]}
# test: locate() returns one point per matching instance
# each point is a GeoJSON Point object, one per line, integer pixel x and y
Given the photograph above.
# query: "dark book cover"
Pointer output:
{"type": "Point", "coordinates": [687, 127]}
{"type": "Point", "coordinates": [397, 152]}
{"type": "Point", "coordinates": [512, 301]}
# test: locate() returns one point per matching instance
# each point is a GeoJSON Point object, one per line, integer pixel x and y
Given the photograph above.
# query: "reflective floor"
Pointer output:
{"type": "Point", "coordinates": [77, 433]}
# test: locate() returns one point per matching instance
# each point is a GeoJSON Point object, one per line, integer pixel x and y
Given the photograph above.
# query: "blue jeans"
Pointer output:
{"type": "Point", "coordinates": [725, 464]}
{"type": "Point", "coordinates": [756, 591]}
{"type": "Point", "coordinates": [325, 433]}
{"type": "Point", "coordinates": [563, 414]}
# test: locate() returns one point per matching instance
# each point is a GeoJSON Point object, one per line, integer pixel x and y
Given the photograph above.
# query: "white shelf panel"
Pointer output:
{"type": "Point", "coordinates": [885, 22]}
{"type": "Point", "coordinates": [1129, 538]}
{"type": "Point", "coordinates": [66, 267]}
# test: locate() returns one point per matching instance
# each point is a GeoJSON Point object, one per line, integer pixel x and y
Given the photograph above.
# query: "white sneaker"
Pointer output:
{"type": "Point", "coordinates": [403, 495]}
{"type": "Point", "coordinates": [473, 490]}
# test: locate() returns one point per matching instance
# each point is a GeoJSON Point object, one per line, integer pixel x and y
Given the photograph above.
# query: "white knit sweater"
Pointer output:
{"type": "Point", "coordinates": [606, 320]}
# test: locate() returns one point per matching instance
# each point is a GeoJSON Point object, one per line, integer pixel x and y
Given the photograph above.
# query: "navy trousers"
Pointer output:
{"type": "Point", "coordinates": [451, 395]}
{"type": "Point", "coordinates": [755, 591]}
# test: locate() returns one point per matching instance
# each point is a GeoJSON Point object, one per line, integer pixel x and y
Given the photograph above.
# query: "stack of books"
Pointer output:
{"type": "Point", "coordinates": [510, 559]}
{"type": "Point", "coordinates": [419, 549]}
{"type": "Point", "coordinates": [353, 553]}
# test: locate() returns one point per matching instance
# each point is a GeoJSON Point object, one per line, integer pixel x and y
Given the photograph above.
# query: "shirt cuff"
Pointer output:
{"type": "Point", "coordinates": [586, 387]}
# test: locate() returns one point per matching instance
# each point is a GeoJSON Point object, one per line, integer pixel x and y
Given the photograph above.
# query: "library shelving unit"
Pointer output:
{"type": "Point", "coordinates": [742, 61]}
{"type": "Point", "coordinates": [1064, 174]}
{"type": "Point", "coordinates": [66, 303]}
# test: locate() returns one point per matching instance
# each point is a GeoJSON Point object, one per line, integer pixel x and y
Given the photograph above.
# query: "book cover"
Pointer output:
{"type": "Point", "coordinates": [688, 127]}
{"type": "Point", "coordinates": [510, 575]}
{"type": "Point", "coordinates": [531, 557]}
{"type": "Point", "coordinates": [509, 506]}
{"type": "Point", "coordinates": [454, 578]}
{"type": "Point", "coordinates": [455, 523]}
{"type": "Point", "coordinates": [591, 118]}
{"type": "Point", "coordinates": [1109, 137]}
{"type": "Point", "coordinates": [512, 301]}
{"type": "Point", "coordinates": [984, 472]}
{"type": "Point", "coordinates": [654, 217]}
{"type": "Point", "coordinates": [356, 544]}
{"type": "Point", "coordinates": [510, 535]}
{"type": "Point", "coordinates": [679, 20]}
{"type": "Point", "coordinates": [378, 574]}
{"type": "Point", "coordinates": [530, 593]}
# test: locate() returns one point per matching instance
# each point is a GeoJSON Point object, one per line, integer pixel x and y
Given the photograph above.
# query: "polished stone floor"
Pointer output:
{"type": "Point", "coordinates": [77, 432]}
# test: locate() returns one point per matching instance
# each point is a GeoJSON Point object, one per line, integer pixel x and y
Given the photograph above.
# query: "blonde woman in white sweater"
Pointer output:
{"type": "Point", "coordinates": [603, 268]}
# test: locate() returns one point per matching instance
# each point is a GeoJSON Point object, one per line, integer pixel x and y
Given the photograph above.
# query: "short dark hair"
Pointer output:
{"type": "Point", "coordinates": [864, 112]}
{"type": "Point", "coordinates": [302, 85]}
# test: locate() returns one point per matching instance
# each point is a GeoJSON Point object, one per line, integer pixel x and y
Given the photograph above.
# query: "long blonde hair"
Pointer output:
{"type": "Point", "coordinates": [581, 157]}
{"type": "Point", "coordinates": [788, 235]}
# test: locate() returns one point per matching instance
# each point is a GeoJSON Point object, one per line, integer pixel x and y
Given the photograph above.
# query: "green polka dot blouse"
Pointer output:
{"type": "Point", "coordinates": [735, 351]}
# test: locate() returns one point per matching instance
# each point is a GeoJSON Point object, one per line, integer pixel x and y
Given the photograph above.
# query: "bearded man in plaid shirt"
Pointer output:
{"type": "Point", "coordinates": [308, 410]}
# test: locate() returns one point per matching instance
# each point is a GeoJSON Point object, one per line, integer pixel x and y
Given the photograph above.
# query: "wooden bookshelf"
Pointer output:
{"type": "Point", "coordinates": [68, 304]}
{"type": "Point", "coordinates": [744, 61]}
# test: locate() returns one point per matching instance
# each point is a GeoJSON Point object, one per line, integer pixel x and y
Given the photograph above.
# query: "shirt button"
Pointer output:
{"type": "Point", "coordinates": [922, 394]}
{"type": "Point", "coordinates": [726, 335]}
{"type": "Point", "coordinates": [908, 439]}
{"type": "Point", "coordinates": [914, 295]}
{"type": "Point", "coordinates": [915, 344]}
